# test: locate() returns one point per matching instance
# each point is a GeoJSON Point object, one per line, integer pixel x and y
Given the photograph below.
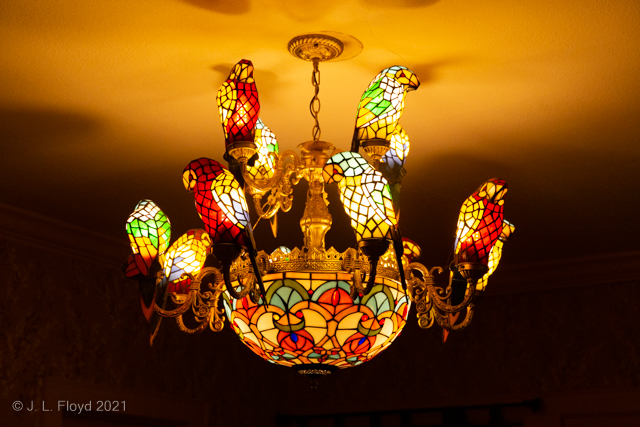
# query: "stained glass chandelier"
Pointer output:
{"type": "Point", "coordinates": [310, 308]}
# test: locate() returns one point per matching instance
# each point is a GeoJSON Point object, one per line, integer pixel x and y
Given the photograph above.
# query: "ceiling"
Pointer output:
{"type": "Point", "coordinates": [104, 103]}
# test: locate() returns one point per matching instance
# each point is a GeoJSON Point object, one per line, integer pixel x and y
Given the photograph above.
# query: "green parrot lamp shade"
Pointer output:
{"type": "Point", "coordinates": [149, 232]}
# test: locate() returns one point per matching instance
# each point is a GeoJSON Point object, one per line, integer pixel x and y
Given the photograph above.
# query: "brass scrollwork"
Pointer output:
{"type": "Point", "coordinates": [433, 303]}
{"type": "Point", "coordinates": [279, 186]}
{"type": "Point", "coordinates": [203, 305]}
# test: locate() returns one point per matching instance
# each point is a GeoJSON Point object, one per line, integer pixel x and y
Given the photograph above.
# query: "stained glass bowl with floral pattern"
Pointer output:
{"type": "Point", "coordinates": [308, 319]}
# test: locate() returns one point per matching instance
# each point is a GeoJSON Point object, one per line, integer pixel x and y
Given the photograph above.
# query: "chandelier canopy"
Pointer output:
{"type": "Point", "coordinates": [310, 308]}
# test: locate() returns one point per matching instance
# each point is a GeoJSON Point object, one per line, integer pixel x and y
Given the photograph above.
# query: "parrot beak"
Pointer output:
{"type": "Point", "coordinates": [408, 79]}
{"type": "Point", "coordinates": [332, 173]}
{"type": "Point", "coordinates": [189, 180]}
{"type": "Point", "coordinates": [206, 239]}
{"type": "Point", "coordinates": [507, 230]}
{"type": "Point", "coordinates": [244, 71]}
{"type": "Point", "coordinates": [414, 82]}
{"type": "Point", "coordinates": [494, 190]}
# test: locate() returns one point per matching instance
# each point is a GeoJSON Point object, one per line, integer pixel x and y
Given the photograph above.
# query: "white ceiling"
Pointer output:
{"type": "Point", "coordinates": [104, 103]}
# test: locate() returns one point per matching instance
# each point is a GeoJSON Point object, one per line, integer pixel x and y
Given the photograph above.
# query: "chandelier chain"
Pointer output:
{"type": "Point", "coordinates": [314, 106]}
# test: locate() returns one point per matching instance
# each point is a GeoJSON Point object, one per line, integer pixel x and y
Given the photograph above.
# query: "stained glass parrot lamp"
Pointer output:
{"type": "Point", "coordinates": [310, 308]}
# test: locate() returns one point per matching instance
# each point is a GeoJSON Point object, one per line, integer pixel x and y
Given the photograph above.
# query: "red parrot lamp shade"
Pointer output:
{"type": "Point", "coordinates": [222, 225]}
{"type": "Point", "coordinates": [238, 104]}
{"type": "Point", "coordinates": [480, 222]}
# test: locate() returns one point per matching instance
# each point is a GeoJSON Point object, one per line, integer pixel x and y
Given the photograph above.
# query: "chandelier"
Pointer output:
{"type": "Point", "coordinates": [310, 308]}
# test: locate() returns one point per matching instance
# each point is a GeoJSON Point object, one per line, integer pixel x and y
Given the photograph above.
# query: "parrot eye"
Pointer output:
{"type": "Point", "coordinates": [335, 170]}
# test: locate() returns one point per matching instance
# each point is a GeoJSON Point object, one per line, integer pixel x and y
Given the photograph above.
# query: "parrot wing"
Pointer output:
{"type": "Point", "coordinates": [266, 143]}
{"type": "Point", "coordinates": [372, 104]}
{"type": "Point", "coordinates": [186, 255]}
{"type": "Point", "coordinates": [496, 253]}
{"type": "Point", "coordinates": [228, 195]}
{"type": "Point", "coordinates": [377, 191]}
{"type": "Point", "coordinates": [393, 160]}
{"type": "Point", "coordinates": [226, 100]}
{"type": "Point", "coordinates": [471, 215]}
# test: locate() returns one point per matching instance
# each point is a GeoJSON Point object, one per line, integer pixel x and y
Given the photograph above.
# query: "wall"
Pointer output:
{"type": "Point", "coordinates": [71, 323]}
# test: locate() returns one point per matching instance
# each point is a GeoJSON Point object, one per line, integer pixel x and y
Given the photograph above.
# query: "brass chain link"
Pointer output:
{"type": "Point", "coordinates": [314, 106]}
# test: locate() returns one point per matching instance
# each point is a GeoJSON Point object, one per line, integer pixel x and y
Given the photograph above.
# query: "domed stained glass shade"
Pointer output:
{"type": "Point", "coordinates": [309, 318]}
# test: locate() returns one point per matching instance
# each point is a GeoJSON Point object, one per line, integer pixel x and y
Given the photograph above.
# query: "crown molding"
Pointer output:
{"type": "Point", "coordinates": [50, 234]}
{"type": "Point", "coordinates": [602, 269]}
{"type": "Point", "coordinates": [56, 236]}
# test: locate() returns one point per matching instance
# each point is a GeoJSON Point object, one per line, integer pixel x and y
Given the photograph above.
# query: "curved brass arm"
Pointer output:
{"type": "Point", "coordinates": [444, 322]}
{"type": "Point", "coordinates": [201, 326]}
{"type": "Point", "coordinates": [232, 291]}
{"type": "Point", "coordinates": [193, 290]}
{"type": "Point", "coordinates": [431, 300]}
{"type": "Point", "coordinates": [272, 201]}
{"type": "Point", "coordinates": [439, 301]}
{"type": "Point", "coordinates": [280, 184]}
{"type": "Point", "coordinates": [282, 170]}
{"type": "Point", "coordinates": [204, 305]}
{"type": "Point", "coordinates": [263, 185]}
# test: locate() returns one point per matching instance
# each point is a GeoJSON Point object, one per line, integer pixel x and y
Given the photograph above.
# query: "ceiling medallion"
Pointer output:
{"type": "Point", "coordinates": [320, 47]}
{"type": "Point", "coordinates": [310, 308]}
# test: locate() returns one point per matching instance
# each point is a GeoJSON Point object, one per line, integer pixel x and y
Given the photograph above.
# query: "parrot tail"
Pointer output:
{"type": "Point", "coordinates": [155, 318]}
{"type": "Point", "coordinates": [398, 248]}
{"type": "Point", "coordinates": [256, 271]}
{"type": "Point", "coordinates": [355, 144]}
{"type": "Point", "coordinates": [252, 256]}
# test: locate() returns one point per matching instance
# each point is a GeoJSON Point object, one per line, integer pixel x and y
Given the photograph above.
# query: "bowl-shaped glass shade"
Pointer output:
{"type": "Point", "coordinates": [309, 318]}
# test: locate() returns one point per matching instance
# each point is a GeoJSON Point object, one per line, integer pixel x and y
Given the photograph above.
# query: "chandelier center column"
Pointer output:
{"type": "Point", "coordinates": [316, 220]}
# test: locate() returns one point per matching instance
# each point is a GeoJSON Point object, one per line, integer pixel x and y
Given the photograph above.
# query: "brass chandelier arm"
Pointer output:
{"type": "Point", "coordinates": [216, 315]}
{"type": "Point", "coordinates": [417, 287]}
{"type": "Point", "coordinates": [292, 175]}
{"type": "Point", "coordinates": [283, 172]}
{"type": "Point", "coordinates": [417, 291]}
{"type": "Point", "coordinates": [431, 302]}
{"type": "Point", "coordinates": [280, 184]}
{"type": "Point", "coordinates": [274, 205]}
{"type": "Point", "coordinates": [204, 305]}
{"type": "Point", "coordinates": [232, 291]}
{"type": "Point", "coordinates": [435, 295]}
{"type": "Point", "coordinates": [184, 306]}
{"type": "Point", "coordinates": [426, 320]}
{"type": "Point", "coordinates": [445, 323]}
{"type": "Point", "coordinates": [263, 185]}
{"type": "Point", "coordinates": [201, 326]}
{"type": "Point", "coordinates": [440, 301]}
{"type": "Point", "coordinates": [216, 319]}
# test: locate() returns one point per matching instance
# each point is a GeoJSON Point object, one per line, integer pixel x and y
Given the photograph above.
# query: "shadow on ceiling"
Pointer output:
{"type": "Point", "coordinates": [34, 128]}
{"type": "Point", "coordinates": [386, 4]}
{"type": "Point", "coordinates": [228, 7]}
{"type": "Point", "coordinates": [266, 81]}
